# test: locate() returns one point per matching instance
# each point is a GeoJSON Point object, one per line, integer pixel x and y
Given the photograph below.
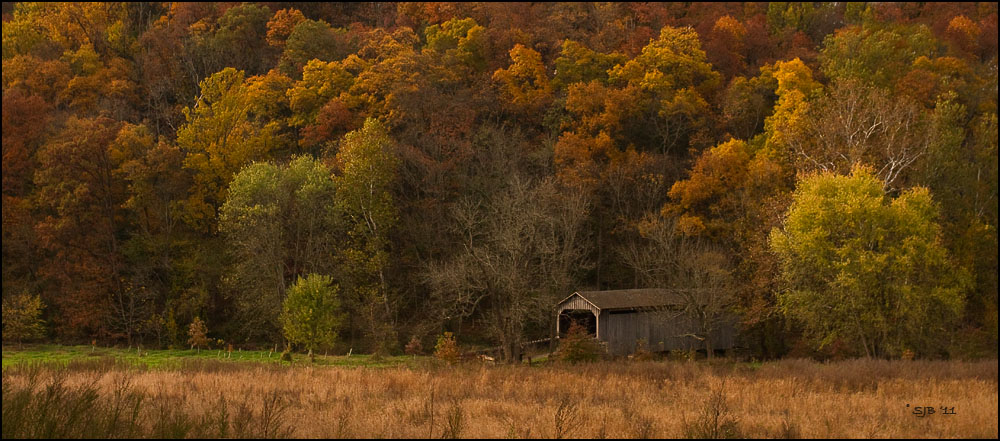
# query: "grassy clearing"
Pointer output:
{"type": "Point", "coordinates": [786, 399]}
{"type": "Point", "coordinates": [171, 358]}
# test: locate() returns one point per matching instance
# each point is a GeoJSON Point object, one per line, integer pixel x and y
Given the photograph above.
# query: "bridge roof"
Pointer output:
{"type": "Point", "coordinates": [629, 298]}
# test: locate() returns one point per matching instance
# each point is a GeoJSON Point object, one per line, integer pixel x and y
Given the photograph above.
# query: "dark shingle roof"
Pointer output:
{"type": "Point", "coordinates": [631, 298]}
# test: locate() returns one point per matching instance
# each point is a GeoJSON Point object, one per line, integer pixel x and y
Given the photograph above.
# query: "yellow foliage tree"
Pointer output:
{"type": "Point", "coordinates": [525, 84]}
{"type": "Point", "coordinates": [233, 123]}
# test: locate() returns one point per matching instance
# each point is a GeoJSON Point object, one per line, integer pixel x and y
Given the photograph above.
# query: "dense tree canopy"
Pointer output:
{"type": "Point", "coordinates": [865, 270]}
{"type": "Point", "coordinates": [279, 225]}
{"type": "Point", "coordinates": [311, 314]}
{"type": "Point", "coordinates": [458, 166]}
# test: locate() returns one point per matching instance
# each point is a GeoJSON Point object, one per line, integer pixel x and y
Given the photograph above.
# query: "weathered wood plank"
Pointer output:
{"type": "Point", "coordinates": [662, 330]}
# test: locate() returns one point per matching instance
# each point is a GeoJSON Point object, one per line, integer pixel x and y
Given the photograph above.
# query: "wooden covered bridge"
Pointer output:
{"type": "Point", "coordinates": [620, 318]}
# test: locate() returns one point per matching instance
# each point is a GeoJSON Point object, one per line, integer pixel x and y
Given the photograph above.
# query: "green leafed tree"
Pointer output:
{"type": "Point", "coordinates": [462, 40]}
{"type": "Point", "coordinates": [368, 167]}
{"type": "Point", "coordinates": [311, 313]}
{"type": "Point", "coordinates": [240, 27]}
{"type": "Point", "coordinates": [675, 78]}
{"type": "Point", "coordinates": [579, 64]}
{"type": "Point", "coordinates": [961, 168]}
{"type": "Point", "coordinates": [312, 40]}
{"type": "Point", "coordinates": [22, 318]}
{"type": "Point", "coordinates": [875, 54]}
{"type": "Point", "coordinates": [234, 123]}
{"type": "Point", "coordinates": [278, 225]}
{"type": "Point", "coordinates": [866, 270]}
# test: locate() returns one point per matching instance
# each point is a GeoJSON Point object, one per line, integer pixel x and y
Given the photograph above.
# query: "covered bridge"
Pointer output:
{"type": "Point", "coordinates": [620, 318]}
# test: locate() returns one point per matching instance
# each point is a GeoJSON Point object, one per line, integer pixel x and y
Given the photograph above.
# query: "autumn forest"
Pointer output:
{"type": "Point", "coordinates": [825, 171]}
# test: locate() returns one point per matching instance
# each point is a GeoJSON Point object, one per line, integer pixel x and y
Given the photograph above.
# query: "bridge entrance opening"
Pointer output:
{"type": "Point", "coordinates": [581, 317]}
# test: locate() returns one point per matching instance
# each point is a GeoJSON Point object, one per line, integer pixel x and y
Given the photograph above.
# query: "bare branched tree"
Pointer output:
{"type": "Point", "coordinates": [520, 251]}
{"type": "Point", "coordinates": [132, 307]}
{"type": "Point", "coordinates": [855, 124]}
{"type": "Point", "coordinates": [697, 272]}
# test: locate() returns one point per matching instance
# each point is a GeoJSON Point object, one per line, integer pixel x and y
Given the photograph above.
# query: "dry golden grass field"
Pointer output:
{"type": "Point", "coordinates": [791, 398]}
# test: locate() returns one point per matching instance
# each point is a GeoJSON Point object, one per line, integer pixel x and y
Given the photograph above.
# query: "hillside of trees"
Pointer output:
{"type": "Point", "coordinates": [828, 171]}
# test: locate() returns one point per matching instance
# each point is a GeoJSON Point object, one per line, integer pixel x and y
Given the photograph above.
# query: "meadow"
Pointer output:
{"type": "Point", "coordinates": [417, 397]}
{"type": "Point", "coordinates": [59, 355]}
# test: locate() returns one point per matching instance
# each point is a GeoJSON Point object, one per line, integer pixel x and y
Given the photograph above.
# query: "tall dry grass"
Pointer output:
{"type": "Point", "coordinates": [787, 399]}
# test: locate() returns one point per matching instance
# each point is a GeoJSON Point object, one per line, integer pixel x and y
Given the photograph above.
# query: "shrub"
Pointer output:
{"type": "Point", "coordinates": [682, 355]}
{"type": "Point", "coordinates": [447, 349]}
{"type": "Point", "coordinates": [22, 318]}
{"type": "Point", "coordinates": [414, 347]}
{"type": "Point", "coordinates": [642, 352]}
{"type": "Point", "coordinates": [567, 417]}
{"type": "Point", "coordinates": [198, 333]}
{"type": "Point", "coordinates": [174, 331]}
{"type": "Point", "coordinates": [715, 420]}
{"type": "Point", "coordinates": [639, 425]}
{"type": "Point", "coordinates": [579, 346]}
{"type": "Point", "coordinates": [454, 421]}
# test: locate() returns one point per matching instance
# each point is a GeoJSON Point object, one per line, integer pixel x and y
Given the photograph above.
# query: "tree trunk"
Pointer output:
{"type": "Point", "coordinates": [515, 352]}
{"type": "Point", "coordinates": [552, 333]}
{"type": "Point", "coordinates": [511, 349]}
